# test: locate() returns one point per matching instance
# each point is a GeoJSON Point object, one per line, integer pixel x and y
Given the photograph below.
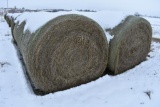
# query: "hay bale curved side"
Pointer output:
{"type": "Point", "coordinates": [67, 51]}
{"type": "Point", "coordinates": [18, 32]}
{"type": "Point", "coordinates": [130, 45]}
{"type": "Point", "coordinates": [12, 27]}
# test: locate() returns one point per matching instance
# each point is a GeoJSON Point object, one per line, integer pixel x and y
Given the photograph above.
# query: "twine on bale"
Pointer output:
{"type": "Point", "coordinates": [130, 45]}
{"type": "Point", "coordinates": [67, 51]}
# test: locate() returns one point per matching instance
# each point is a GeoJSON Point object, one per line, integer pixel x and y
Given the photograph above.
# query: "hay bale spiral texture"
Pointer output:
{"type": "Point", "coordinates": [130, 45]}
{"type": "Point", "coordinates": [67, 51]}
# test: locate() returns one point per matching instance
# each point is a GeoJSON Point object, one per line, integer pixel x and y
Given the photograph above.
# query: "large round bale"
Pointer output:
{"type": "Point", "coordinates": [8, 20]}
{"type": "Point", "coordinates": [5, 15]}
{"type": "Point", "coordinates": [130, 45]}
{"type": "Point", "coordinates": [12, 27]}
{"type": "Point", "coordinates": [67, 51]}
{"type": "Point", "coordinates": [12, 24]}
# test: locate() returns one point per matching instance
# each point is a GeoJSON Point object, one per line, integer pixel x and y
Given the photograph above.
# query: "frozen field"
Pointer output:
{"type": "Point", "coordinates": [138, 87]}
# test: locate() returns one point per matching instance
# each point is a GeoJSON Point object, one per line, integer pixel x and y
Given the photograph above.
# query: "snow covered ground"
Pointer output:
{"type": "Point", "coordinates": [138, 87]}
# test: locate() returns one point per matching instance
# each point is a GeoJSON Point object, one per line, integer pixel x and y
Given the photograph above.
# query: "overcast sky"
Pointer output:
{"type": "Point", "coordinates": [145, 6]}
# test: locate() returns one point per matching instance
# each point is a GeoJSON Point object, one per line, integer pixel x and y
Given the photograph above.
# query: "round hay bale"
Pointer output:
{"type": "Point", "coordinates": [18, 32]}
{"type": "Point", "coordinates": [5, 16]}
{"type": "Point", "coordinates": [8, 20]}
{"type": "Point", "coordinates": [11, 23]}
{"type": "Point", "coordinates": [12, 27]}
{"type": "Point", "coordinates": [67, 51]}
{"type": "Point", "coordinates": [130, 45]}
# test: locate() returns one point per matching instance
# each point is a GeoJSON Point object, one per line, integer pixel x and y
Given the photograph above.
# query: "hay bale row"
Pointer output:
{"type": "Point", "coordinates": [72, 49]}
{"type": "Point", "coordinates": [130, 45]}
{"type": "Point", "coordinates": [65, 52]}
{"type": "Point", "coordinates": [11, 23]}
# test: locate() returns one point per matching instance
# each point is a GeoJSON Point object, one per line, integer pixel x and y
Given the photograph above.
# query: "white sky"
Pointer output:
{"type": "Point", "coordinates": [142, 6]}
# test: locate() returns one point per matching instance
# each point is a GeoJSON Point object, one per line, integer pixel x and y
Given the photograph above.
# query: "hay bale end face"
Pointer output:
{"type": "Point", "coordinates": [67, 51]}
{"type": "Point", "coordinates": [130, 45]}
